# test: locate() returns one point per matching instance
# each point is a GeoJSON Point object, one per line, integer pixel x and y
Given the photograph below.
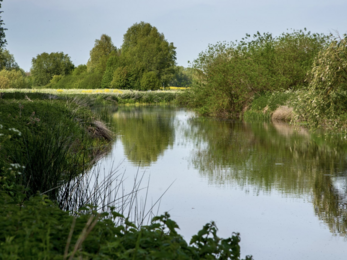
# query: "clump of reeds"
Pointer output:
{"type": "Point", "coordinates": [105, 192]}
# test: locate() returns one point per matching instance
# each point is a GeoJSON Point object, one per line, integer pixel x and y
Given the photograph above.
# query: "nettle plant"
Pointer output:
{"type": "Point", "coordinates": [324, 103]}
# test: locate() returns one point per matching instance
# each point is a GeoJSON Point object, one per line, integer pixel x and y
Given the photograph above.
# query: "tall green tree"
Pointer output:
{"type": "Point", "coordinates": [45, 66]}
{"type": "Point", "coordinates": [113, 63]}
{"type": "Point", "coordinates": [100, 54]}
{"type": "Point", "coordinates": [144, 51]}
{"type": "Point", "coordinates": [2, 31]}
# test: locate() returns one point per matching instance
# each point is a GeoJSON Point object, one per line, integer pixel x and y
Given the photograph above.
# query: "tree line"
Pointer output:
{"type": "Point", "coordinates": [145, 61]}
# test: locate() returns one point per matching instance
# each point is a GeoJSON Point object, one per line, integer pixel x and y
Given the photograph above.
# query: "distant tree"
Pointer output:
{"type": "Point", "coordinates": [45, 66]}
{"type": "Point", "coordinates": [2, 31]}
{"type": "Point", "coordinates": [16, 78]}
{"type": "Point", "coordinates": [7, 60]}
{"type": "Point", "coordinates": [149, 81]}
{"type": "Point", "coordinates": [100, 54]}
{"type": "Point", "coordinates": [4, 82]}
{"type": "Point", "coordinates": [80, 69]}
{"type": "Point", "coordinates": [146, 50]}
{"type": "Point", "coordinates": [182, 77]}
{"type": "Point", "coordinates": [122, 78]}
{"type": "Point", "coordinates": [113, 63]}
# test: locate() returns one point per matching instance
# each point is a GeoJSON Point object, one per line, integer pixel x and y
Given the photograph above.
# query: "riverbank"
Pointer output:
{"type": "Point", "coordinates": [309, 108]}
{"type": "Point", "coordinates": [46, 134]}
{"type": "Point", "coordinates": [104, 96]}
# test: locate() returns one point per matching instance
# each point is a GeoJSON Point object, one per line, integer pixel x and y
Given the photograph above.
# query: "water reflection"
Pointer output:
{"type": "Point", "coordinates": [146, 132]}
{"type": "Point", "coordinates": [258, 157]}
{"type": "Point", "coordinates": [263, 156]}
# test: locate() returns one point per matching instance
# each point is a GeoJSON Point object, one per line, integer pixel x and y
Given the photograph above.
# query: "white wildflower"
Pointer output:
{"type": "Point", "coordinates": [15, 165]}
{"type": "Point", "coordinates": [15, 130]}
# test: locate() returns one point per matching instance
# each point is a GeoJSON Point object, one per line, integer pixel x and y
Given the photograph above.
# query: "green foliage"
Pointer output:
{"type": "Point", "coordinates": [271, 100]}
{"type": "Point", "coordinates": [100, 54]}
{"type": "Point", "coordinates": [43, 137]}
{"type": "Point", "coordinates": [45, 66]}
{"type": "Point", "coordinates": [324, 102]}
{"type": "Point", "coordinates": [112, 64]}
{"type": "Point", "coordinates": [145, 50]}
{"type": "Point", "coordinates": [182, 78]}
{"type": "Point", "coordinates": [7, 60]}
{"type": "Point", "coordinates": [150, 81]}
{"type": "Point", "coordinates": [79, 70]}
{"type": "Point", "coordinates": [82, 81]}
{"type": "Point", "coordinates": [147, 98]}
{"type": "Point", "coordinates": [122, 78]}
{"type": "Point", "coordinates": [146, 61]}
{"type": "Point", "coordinates": [37, 229]}
{"type": "Point", "coordinates": [230, 74]}
{"type": "Point", "coordinates": [15, 77]}
{"type": "Point", "coordinates": [4, 83]}
{"type": "Point", "coordinates": [2, 32]}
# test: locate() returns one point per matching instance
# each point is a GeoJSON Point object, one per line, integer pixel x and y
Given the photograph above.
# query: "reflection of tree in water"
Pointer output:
{"type": "Point", "coordinates": [267, 156]}
{"type": "Point", "coordinates": [146, 132]}
{"type": "Point", "coordinates": [331, 204]}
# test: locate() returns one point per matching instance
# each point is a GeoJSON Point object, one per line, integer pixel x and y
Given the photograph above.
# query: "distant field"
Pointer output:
{"type": "Point", "coordinates": [87, 91]}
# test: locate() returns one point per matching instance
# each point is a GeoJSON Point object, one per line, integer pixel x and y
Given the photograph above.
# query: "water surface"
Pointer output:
{"type": "Point", "coordinates": [282, 189]}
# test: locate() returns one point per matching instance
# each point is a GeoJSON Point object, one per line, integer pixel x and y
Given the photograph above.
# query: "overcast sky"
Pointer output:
{"type": "Point", "coordinates": [71, 26]}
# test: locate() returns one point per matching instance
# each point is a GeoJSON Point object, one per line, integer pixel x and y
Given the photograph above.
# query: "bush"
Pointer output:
{"type": "Point", "coordinates": [4, 83]}
{"type": "Point", "coordinates": [82, 81]}
{"type": "Point", "coordinates": [325, 101]}
{"type": "Point", "coordinates": [228, 75]}
{"type": "Point", "coordinates": [38, 229]}
{"type": "Point", "coordinates": [15, 77]}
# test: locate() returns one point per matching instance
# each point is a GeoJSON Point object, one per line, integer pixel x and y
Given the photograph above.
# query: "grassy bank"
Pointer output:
{"type": "Point", "coordinates": [47, 209]}
{"type": "Point", "coordinates": [115, 96]}
{"type": "Point", "coordinates": [42, 136]}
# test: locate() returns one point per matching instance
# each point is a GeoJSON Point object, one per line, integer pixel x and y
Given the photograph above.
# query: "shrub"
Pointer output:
{"type": "Point", "coordinates": [15, 77]}
{"type": "Point", "coordinates": [228, 75]}
{"type": "Point", "coordinates": [324, 103]}
{"type": "Point", "coordinates": [4, 82]}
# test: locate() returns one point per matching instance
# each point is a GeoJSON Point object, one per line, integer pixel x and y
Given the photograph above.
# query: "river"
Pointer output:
{"type": "Point", "coordinates": [282, 189]}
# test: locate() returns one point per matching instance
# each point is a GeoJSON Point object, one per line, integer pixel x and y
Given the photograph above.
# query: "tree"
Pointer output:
{"type": "Point", "coordinates": [7, 61]}
{"type": "Point", "coordinates": [113, 63]}
{"type": "Point", "coordinates": [16, 78]}
{"type": "Point", "coordinates": [146, 50]}
{"type": "Point", "coordinates": [2, 31]}
{"type": "Point", "coordinates": [4, 82]}
{"type": "Point", "coordinates": [182, 78]}
{"type": "Point", "coordinates": [80, 69]}
{"type": "Point", "coordinates": [149, 81]}
{"type": "Point", "coordinates": [100, 54]}
{"type": "Point", "coordinates": [45, 66]}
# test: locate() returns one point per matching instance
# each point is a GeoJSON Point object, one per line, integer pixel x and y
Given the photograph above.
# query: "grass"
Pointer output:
{"type": "Point", "coordinates": [101, 96]}
{"type": "Point", "coordinates": [50, 138]}
{"type": "Point", "coordinates": [85, 91]}
{"type": "Point", "coordinates": [264, 104]}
